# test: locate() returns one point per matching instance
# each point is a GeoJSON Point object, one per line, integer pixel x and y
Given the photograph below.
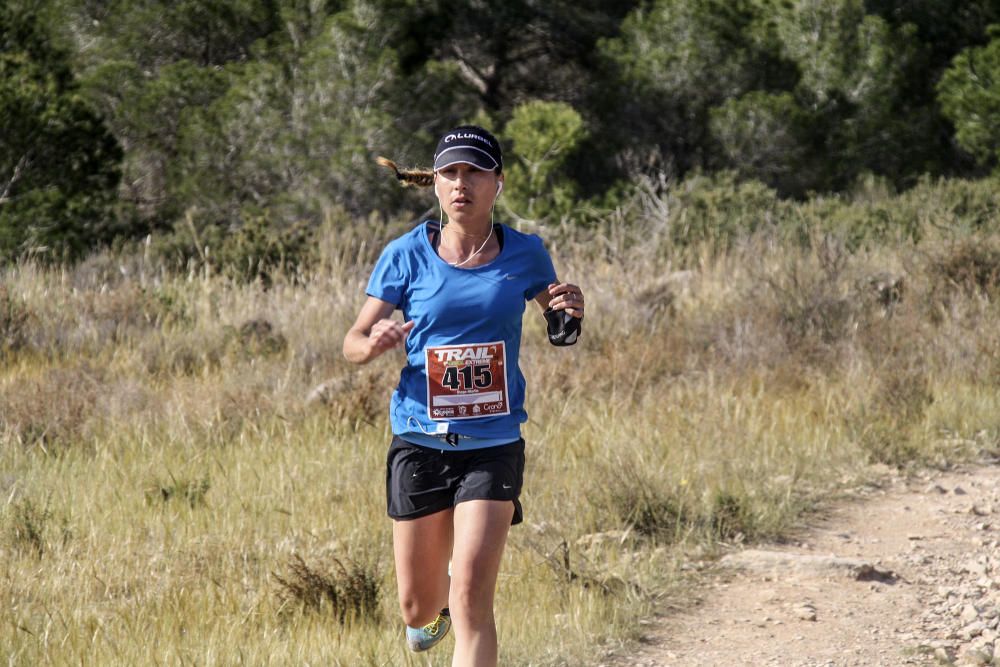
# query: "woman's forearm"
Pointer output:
{"type": "Point", "coordinates": [357, 347]}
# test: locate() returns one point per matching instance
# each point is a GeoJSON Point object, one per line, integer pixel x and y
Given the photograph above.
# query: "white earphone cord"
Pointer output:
{"type": "Point", "coordinates": [413, 420]}
{"type": "Point", "coordinates": [488, 236]}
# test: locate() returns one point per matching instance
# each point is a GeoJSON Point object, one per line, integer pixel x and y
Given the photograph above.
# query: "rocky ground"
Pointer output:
{"type": "Point", "coordinates": [909, 574]}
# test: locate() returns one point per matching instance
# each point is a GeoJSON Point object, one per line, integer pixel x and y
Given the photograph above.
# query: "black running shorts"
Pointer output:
{"type": "Point", "coordinates": [422, 480]}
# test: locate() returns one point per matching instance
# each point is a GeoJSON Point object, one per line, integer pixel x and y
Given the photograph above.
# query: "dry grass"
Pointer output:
{"type": "Point", "coordinates": [192, 474]}
{"type": "Point", "coordinates": [347, 592]}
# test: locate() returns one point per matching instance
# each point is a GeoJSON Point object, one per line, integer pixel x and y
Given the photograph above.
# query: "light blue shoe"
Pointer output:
{"type": "Point", "coordinates": [421, 639]}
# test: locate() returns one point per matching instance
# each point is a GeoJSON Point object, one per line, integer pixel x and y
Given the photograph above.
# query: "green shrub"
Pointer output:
{"type": "Point", "coordinates": [764, 137]}
{"type": "Point", "coordinates": [969, 93]}
{"type": "Point", "coordinates": [258, 249]}
{"type": "Point", "coordinates": [59, 164]}
{"type": "Point", "coordinates": [719, 209]}
{"type": "Point", "coordinates": [544, 136]}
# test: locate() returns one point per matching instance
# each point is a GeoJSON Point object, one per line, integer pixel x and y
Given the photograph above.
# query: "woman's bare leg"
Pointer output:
{"type": "Point", "coordinates": [422, 548]}
{"type": "Point", "coordinates": [481, 528]}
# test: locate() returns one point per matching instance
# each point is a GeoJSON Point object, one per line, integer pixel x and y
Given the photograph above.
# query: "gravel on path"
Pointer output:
{"type": "Point", "coordinates": [907, 576]}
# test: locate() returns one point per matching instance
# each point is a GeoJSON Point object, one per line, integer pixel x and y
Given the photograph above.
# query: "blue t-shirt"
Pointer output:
{"type": "Point", "coordinates": [467, 327]}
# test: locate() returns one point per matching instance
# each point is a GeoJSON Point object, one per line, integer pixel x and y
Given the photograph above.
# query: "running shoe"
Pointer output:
{"type": "Point", "coordinates": [421, 639]}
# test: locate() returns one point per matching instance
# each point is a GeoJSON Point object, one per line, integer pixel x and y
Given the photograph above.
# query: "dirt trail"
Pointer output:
{"type": "Point", "coordinates": [907, 576]}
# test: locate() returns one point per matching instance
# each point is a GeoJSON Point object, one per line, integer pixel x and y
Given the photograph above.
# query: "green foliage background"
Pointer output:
{"type": "Point", "coordinates": [197, 120]}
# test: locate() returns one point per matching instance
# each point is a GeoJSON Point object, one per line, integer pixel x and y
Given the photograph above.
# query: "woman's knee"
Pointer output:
{"type": "Point", "coordinates": [417, 612]}
{"type": "Point", "coordinates": [471, 603]}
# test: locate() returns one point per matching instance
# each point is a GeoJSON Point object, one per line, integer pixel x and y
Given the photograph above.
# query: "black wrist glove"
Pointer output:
{"type": "Point", "coordinates": [563, 328]}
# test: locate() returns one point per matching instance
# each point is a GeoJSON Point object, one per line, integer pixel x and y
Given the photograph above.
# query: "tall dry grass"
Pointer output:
{"type": "Point", "coordinates": [191, 473]}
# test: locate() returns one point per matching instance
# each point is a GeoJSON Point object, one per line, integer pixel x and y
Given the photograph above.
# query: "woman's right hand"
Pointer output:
{"type": "Point", "coordinates": [374, 332]}
{"type": "Point", "coordinates": [387, 334]}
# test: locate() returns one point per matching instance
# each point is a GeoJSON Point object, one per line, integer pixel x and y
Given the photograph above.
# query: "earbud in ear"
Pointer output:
{"type": "Point", "coordinates": [499, 187]}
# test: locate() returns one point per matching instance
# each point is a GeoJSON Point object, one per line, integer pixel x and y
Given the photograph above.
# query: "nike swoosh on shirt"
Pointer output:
{"type": "Point", "coordinates": [510, 277]}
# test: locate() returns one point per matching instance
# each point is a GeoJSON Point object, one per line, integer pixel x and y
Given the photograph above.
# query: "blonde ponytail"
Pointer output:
{"type": "Point", "coordinates": [422, 178]}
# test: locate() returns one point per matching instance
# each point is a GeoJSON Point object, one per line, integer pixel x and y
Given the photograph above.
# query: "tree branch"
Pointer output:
{"type": "Point", "coordinates": [472, 75]}
{"type": "Point", "coordinates": [15, 177]}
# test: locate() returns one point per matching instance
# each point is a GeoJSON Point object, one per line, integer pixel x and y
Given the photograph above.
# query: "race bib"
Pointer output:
{"type": "Point", "coordinates": [467, 381]}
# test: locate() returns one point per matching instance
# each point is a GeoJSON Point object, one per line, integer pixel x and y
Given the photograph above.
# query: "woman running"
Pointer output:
{"type": "Point", "coordinates": [456, 461]}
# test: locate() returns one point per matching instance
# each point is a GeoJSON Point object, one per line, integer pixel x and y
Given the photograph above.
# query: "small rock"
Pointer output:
{"type": "Point", "coordinates": [958, 491]}
{"type": "Point", "coordinates": [971, 630]}
{"type": "Point", "coordinates": [977, 656]}
{"type": "Point", "coordinates": [969, 614]}
{"type": "Point", "coordinates": [935, 488]}
{"type": "Point", "coordinates": [805, 612]}
{"type": "Point", "coordinates": [943, 655]}
{"type": "Point", "coordinates": [784, 564]}
{"type": "Point", "coordinates": [977, 568]}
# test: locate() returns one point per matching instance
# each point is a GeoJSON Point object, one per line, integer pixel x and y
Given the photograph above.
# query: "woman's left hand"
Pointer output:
{"type": "Point", "coordinates": [568, 297]}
